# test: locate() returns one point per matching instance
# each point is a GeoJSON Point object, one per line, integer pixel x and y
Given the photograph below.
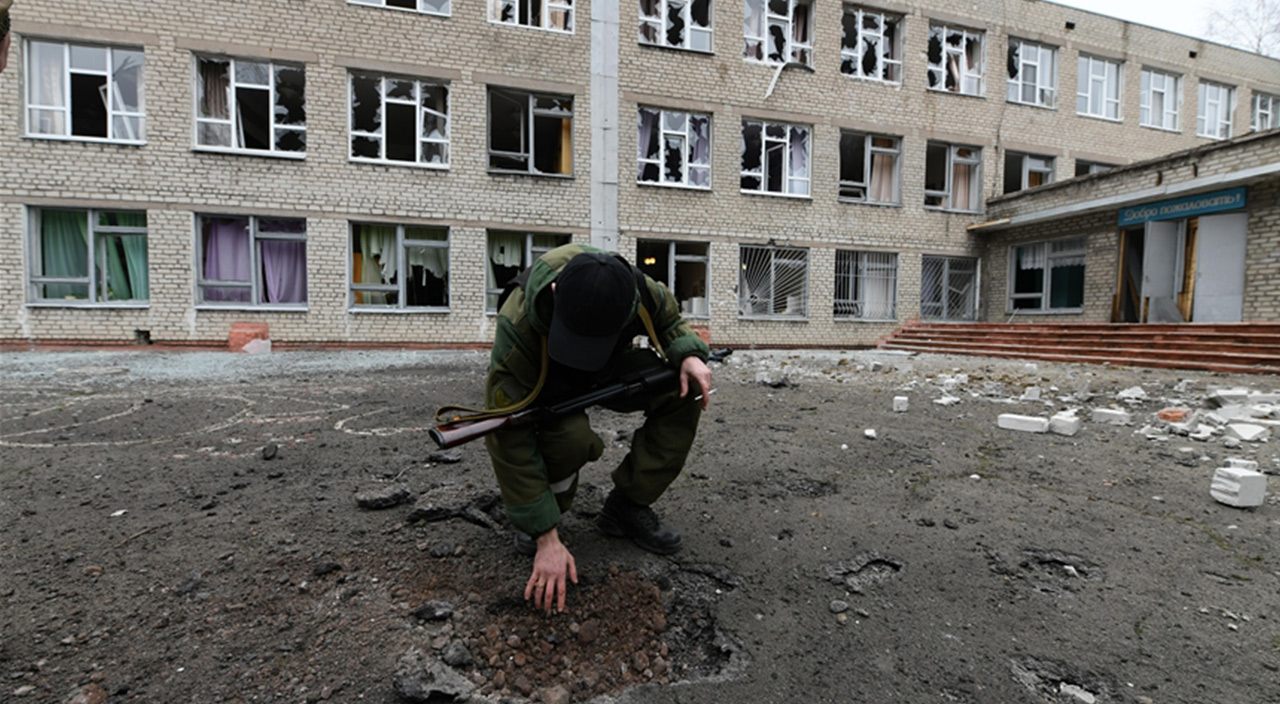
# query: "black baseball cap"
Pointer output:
{"type": "Point", "coordinates": [595, 296]}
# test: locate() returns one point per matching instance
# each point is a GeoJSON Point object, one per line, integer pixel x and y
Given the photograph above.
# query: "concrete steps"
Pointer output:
{"type": "Point", "coordinates": [1226, 347]}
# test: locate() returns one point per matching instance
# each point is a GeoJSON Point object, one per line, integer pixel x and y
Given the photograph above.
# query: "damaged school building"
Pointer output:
{"type": "Point", "coordinates": [798, 172]}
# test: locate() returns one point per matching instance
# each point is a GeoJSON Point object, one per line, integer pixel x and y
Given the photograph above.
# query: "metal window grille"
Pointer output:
{"type": "Point", "coordinates": [866, 285]}
{"type": "Point", "coordinates": [949, 288]}
{"type": "Point", "coordinates": [773, 282]}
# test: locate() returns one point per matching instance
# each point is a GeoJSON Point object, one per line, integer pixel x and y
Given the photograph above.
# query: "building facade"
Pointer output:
{"type": "Point", "coordinates": [372, 171]}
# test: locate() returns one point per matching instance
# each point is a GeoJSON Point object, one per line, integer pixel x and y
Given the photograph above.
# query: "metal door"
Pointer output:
{"type": "Point", "coordinates": [1160, 268]}
{"type": "Point", "coordinates": [1220, 251]}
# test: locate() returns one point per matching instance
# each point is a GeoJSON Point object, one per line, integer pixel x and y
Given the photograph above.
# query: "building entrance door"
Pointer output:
{"type": "Point", "coordinates": [1219, 269]}
{"type": "Point", "coordinates": [1162, 247]}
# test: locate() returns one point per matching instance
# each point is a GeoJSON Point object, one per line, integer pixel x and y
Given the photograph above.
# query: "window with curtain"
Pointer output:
{"type": "Point", "coordinates": [1098, 87]}
{"type": "Point", "coordinates": [871, 44]}
{"type": "Point", "coordinates": [89, 257]}
{"type": "Point", "coordinates": [1033, 73]}
{"type": "Point", "coordinates": [1047, 276]}
{"type": "Point", "coordinates": [399, 120]}
{"type": "Point", "coordinates": [676, 24]}
{"type": "Point", "coordinates": [426, 7]}
{"type": "Point", "coordinates": [1161, 100]}
{"type": "Point", "coordinates": [682, 267]}
{"type": "Point", "coordinates": [1023, 171]}
{"type": "Point", "coordinates": [869, 168]}
{"type": "Point", "coordinates": [78, 91]}
{"type": "Point", "coordinates": [775, 158]}
{"type": "Point", "coordinates": [673, 148]}
{"type": "Point", "coordinates": [773, 282]}
{"type": "Point", "coordinates": [508, 253]}
{"type": "Point", "coordinates": [399, 266]}
{"type": "Point", "coordinates": [530, 132]}
{"type": "Point", "coordinates": [956, 58]}
{"type": "Point", "coordinates": [1217, 108]}
{"type": "Point", "coordinates": [252, 261]}
{"type": "Point", "coordinates": [866, 286]}
{"type": "Point", "coordinates": [1265, 113]}
{"type": "Point", "coordinates": [778, 31]}
{"type": "Point", "coordinates": [250, 106]}
{"type": "Point", "coordinates": [554, 15]}
{"type": "Point", "coordinates": [953, 177]}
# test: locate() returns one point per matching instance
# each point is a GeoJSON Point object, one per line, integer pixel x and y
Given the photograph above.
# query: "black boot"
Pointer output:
{"type": "Point", "coordinates": [623, 519]}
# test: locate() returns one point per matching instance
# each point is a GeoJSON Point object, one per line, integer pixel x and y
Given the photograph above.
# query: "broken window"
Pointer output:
{"type": "Point", "coordinates": [1085, 167]}
{"type": "Point", "coordinates": [400, 120]}
{"type": "Point", "coordinates": [778, 31]}
{"type": "Point", "coordinates": [1033, 73]}
{"type": "Point", "coordinates": [252, 261]}
{"type": "Point", "coordinates": [85, 92]}
{"type": "Point", "coordinates": [509, 253]}
{"type": "Point", "coordinates": [948, 288]}
{"type": "Point", "coordinates": [1023, 171]}
{"type": "Point", "coordinates": [674, 148]}
{"type": "Point", "coordinates": [676, 24]}
{"type": "Point", "coordinates": [866, 285]}
{"type": "Point", "coordinates": [530, 132]}
{"type": "Point", "coordinates": [773, 282]}
{"type": "Point", "coordinates": [775, 158]}
{"type": "Point", "coordinates": [956, 57]}
{"type": "Point", "coordinates": [1266, 112]}
{"type": "Point", "coordinates": [399, 266]}
{"type": "Point", "coordinates": [1047, 275]}
{"type": "Point", "coordinates": [1217, 107]}
{"type": "Point", "coordinates": [89, 256]}
{"type": "Point", "coordinates": [871, 45]}
{"type": "Point", "coordinates": [682, 267]}
{"type": "Point", "coordinates": [428, 7]}
{"type": "Point", "coordinates": [869, 171]}
{"type": "Point", "coordinates": [1161, 100]}
{"type": "Point", "coordinates": [256, 106]}
{"type": "Point", "coordinates": [1098, 87]}
{"type": "Point", "coordinates": [555, 15]}
{"type": "Point", "coordinates": [953, 177]}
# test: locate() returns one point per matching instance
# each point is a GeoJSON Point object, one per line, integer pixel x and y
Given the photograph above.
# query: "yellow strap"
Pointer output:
{"type": "Point", "coordinates": [445, 414]}
{"type": "Point", "coordinates": [653, 335]}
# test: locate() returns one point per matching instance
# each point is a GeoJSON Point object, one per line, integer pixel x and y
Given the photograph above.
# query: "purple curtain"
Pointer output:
{"type": "Point", "coordinates": [284, 270]}
{"type": "Point", "coordinates": [226, 258]}
{"type": "Point", "coordinates": [646, 138]}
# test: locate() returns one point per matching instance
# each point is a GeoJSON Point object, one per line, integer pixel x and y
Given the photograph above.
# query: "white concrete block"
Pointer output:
{"type": "Point", "coordinates": [1114, 416]}
{"type": "Point", "coordinates": [1031, 393]}
{"type": "Point", "coordinates": [1203, 432]}
{"type": "Point", "coordinates": [1238, 487]}
{"type": "Point", "coordinates": [947, 400]}
{"type": "Point", "coordinates": [1248, 432]}
{"type": "Point", "coordinates": [1065, 423]}
{"type": "Point", "coordinates": [1238, 463]}
{"type": "Point", "coordinates": [870, 433]}
{"type": "Point", "coordinates": [900, 404]}
{"type": "Point", "coordinates": [1133, 394]}
{"type": "Point", "coordinates": [1029, 424]}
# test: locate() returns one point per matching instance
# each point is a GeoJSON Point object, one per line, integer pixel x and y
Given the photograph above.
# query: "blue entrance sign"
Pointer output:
{"type": "Point", "coordinates": [1188, 207]}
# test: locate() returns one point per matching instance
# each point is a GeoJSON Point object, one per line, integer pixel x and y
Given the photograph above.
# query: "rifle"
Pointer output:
{"type": "Point", "coordinates": [463, 430]}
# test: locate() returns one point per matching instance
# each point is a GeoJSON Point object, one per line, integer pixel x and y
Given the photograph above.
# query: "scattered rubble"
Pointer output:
{"type": "Point", "coordinates": [1239, 484]}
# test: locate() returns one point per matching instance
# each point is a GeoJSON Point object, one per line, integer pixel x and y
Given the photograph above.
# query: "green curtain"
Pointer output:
{"type": "Point", "coordinates": [64, 251]}
{"type": "Point", "coordinates": [127, 278]}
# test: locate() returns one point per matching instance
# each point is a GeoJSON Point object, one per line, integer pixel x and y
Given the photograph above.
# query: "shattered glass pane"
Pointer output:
{"type": "Point", "coordinates": [777, 40]}
{"type": "Point", "coordinates": [365, 148]}
{"type": "Point", "coordinates": [1013, 61]}
{"type": "Point", "coordinates": [701, 129]}
{"type": "Point", "coordinates": [435, 153]}
{"type": "Point", "coordinates": [648, 33]}
{"type": "Point", "coordinates": [551, 104]}
{"type": "Point", "coordinates": [673, 121]}
{"type": "Point", "coordinates": [750, 183]}
{"type": "Point", "coordinates": [400, 89]}
{"type": "Point", "coordinates": [849, 31]}
{"type": "Point", "coordinates": [778, 7]}
{"type": "Point", "coordinates": [700, 176]}
{"type": "Point", "coordinates": [366, 103]}
{"type": "Point", "coordinates": [436, 6]}
{"type": "Point", "coordinates": [673, 163]}
{"type": "Point", "coordinates": [775, 130]}
{"type": "Point", "coordinates": [648, 172]}
{"type": "Point", "coordinates": [647, 140]}
{"type": "Point", "coordinates": [869, 56]}
{"type": "Point", "coordinates": [433, 126]}
{"type": "Point", "coordinates": [252, 73]}
{"type": "Point", "coordinates": [871, 21]}
{"type": "Point", "coordinates": [213, 135]}
{"type": "Point", "coordinates": [649, 8]}
{"type": "Point", "coordinates": [291, 140]}
{"type": "Point", "coordinates": [290, 105]}
{"type": "Point", "coordinates": [700, 13]}
{"type": "Point", "coordinates": [751, 146]}
{"type": "Point", "coordinates": [675, 23]}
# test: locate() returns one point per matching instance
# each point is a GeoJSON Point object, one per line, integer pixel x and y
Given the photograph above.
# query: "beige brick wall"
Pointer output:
{"type": "Point", "coordinates": [173, 183]}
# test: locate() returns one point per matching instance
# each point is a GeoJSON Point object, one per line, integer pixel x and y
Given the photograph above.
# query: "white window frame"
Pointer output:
{"type": "Point", "coordinates": [870, 149]}
{"type": "Point", "coordinates": [529, 253]}
{"type": "Point", "coordinates": [96, 279]}
{"type": "Point", "coordinates": [1265, 112]}
{"type": "Point", "coordinates": [531, 113]}
{"type": "Point", "coordinates": [1042, 59]}
{"type": "Point", "coordinates": [794, 185]}
{"type": "Point", "coordinates": [402, 269]}
{"type": "Point", "coordinates": [1031, 164]}
{"type": "Point", "coordinates": [653, 23]}
{"type": "Point", "coordinates": [1168, 87]}
{"type": "Point", "coordinates": [1093, 167]}
{"type": "Point", "coordinates": [231, 121]}
{"type": "Point", "coordinates": [1108, 98]}
{"type": "Point", "coordinates": [550, 9]}
{"type": "Point", "coordinates": [1049, 257]}
{"type": "Point", "coordinates": [130, 120]}
{"type": "Point", "coordinates": [255, 285]}
{"type": "Point", "coordinates": [968, 80]}
{"type": "Point", "coordinates": [889, 31]}
{"type": "Point", "coordinates": [686, 134]}
{"type": "Point", "coordinates": [755, 40]}
{"type": "Point", "coordinates": [421, 6]}
{"type": "Point", "coordinates": [781, 270]}
{"type": "Point", "coordinates": [861, 269]}
{"type": "Point", "coordinates": [1217, 110]}
{"type": "Point", "coordinates": [422, 114]}
{"type": "Point", "coordinates": [689, 307]}
{"type": "Point", "coordinates": [954, 159]}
